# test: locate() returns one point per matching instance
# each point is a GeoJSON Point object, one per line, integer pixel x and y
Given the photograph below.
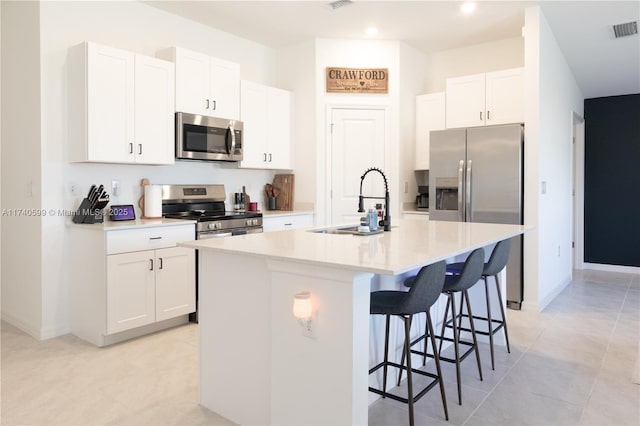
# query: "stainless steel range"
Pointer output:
{"type": "Point", "coordinates": [206, 205]}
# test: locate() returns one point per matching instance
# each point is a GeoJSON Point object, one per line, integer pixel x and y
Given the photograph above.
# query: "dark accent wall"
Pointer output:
{"type": "Point", "coordinates": [612, 180]}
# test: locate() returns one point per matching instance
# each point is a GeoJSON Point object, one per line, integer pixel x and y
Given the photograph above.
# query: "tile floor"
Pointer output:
{"type": "Point", "coordinates": [569, 365]}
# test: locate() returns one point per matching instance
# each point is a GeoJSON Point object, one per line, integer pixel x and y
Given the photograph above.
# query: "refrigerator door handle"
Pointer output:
{"type": "Point", "coordinates": [461, 190]}
{"type": "Point", "coordinates": [469, 207]}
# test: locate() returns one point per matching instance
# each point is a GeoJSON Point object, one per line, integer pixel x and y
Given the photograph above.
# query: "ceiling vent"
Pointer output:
{"type": "Point", "coordinates": [626, 29]}
{"type": "Point", "coordinates": [339, 3]}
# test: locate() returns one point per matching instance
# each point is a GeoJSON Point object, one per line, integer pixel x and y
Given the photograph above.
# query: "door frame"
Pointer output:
{"type": "Point", "coordinates": [324, 198]}
{"type": "Point", "coordinates": [577, 180]}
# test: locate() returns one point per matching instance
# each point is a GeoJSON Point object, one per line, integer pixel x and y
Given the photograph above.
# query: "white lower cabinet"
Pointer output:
{"type": "Point", "coordinates": [290, 221]}
{"type": "Point", "coordinates": [127, 283]}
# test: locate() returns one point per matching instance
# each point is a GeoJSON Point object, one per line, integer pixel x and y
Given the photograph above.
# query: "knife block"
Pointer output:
{"type": "Point", "coordinates": [86, 214]}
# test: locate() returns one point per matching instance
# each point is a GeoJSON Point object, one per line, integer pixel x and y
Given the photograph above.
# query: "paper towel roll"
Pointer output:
{"type": "Point", "coordinates": [153, 201]}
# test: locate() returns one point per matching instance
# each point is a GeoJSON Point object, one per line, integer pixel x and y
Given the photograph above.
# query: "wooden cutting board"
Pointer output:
{"type": "Point", "coordinates": [285, 183]}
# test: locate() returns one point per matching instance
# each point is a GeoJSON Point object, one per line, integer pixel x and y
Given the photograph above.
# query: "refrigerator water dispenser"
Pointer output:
{"type": "Point", "coordinates": [446, 193]}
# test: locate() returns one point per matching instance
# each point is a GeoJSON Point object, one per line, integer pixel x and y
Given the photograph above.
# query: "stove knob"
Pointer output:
{"type": "Point", "coordinates": [248, 222]}
{"type": "Point", "coordinates": [217, 225]}
{"type": "Point", "coordinates": [254, 222]}
{"type": "Point", "coordinates": [211, 226]}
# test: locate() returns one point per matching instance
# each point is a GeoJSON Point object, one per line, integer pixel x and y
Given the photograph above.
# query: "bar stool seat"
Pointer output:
{"type": "Point", "coordinates": [405, 304]}
{"type": "Point", "coordinates": [497, 262]}
{"type": "Point", "coordinates": [471, 272]}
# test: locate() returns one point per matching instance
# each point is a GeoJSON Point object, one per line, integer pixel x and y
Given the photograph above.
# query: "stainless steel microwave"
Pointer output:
{"type": "Point", "coordinates": [199, 137]}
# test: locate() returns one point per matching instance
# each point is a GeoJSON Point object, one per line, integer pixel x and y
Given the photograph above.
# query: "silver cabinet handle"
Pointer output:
{"type": "Point", "coordinates": [160, 259]}
{"type": "Point", "coordinates": [265, 157]}
{"type": "Point", "coordinates": [269, 157]}
{"type": "Point", "coordinates": [468, 191]}
{"type": "Point", "coordinates": [151, 264]}
{"type": "Point", "coordinates": [460, 189]}
{"type": "Point", "coordinates": [131, 148]}
{"type": "Point", "coordinates": [139, 149]}
{"type": "Point", "coordinates": [488, 115]}
{"type": "Point", "coordinates": [214, 105]}
{"type": "Point", "coordinates": [207, 104]}
{"type": "Point", "coordinates": [288, 224]}
{"type": "Point", "coordinates": [155, 238]}
{"type": "Point", "coordinates": [480, 115]}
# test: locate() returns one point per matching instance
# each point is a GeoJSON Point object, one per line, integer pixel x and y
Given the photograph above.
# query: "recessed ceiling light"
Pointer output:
{"type": "Point", "coordinates": [468, 7]}
{"type": "Point", "coordinates": [371, 31]}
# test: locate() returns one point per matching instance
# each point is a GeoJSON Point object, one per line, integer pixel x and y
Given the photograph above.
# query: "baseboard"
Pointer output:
{"type": "Point", "coordinates": [612, 268]}
{"type": "Point", "coordinates": [35, 332]}
{"type": "Point", "coordinates": [18, 323]}
{"type": "Point", "coordinates": [540, 305]}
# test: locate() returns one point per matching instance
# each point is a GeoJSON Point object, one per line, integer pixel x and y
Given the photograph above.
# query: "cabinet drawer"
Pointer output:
{"type": "Point", "coordinates": [123, 241]}
{"type": "Point", "coordinates": [280, 223]}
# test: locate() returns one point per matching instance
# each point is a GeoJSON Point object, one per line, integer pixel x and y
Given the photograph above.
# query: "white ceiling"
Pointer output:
{"type": "Point", "coordinates": [602, 65]}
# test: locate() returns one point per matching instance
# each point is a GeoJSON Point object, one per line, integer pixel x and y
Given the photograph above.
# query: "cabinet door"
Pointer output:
{"type": "Point", "coordinates": [130, 290]}
{"type": "Point", "coordinates": [429, 116]}
{"type": "Point", "coordinates": [465, 101]}
{"type": "Point", "coordinates": [192, 82]}
{"type": "Point", "coordinates": [505, 96]}
{"type": "Point", "coordinates": [110, 103]}
{"type": "Point", "coordinates": [253, 101]}
{"type": "Point", "coordinates": [154, 111]}
{"type": "Point", "coordinates": [278, 128]}
{"type": "Point", "coordinates": [175, 282]}
{"type": "Point", "coordinates": [225, 89]}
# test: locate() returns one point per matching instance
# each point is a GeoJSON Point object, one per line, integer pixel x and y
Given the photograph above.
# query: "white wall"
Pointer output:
{"type": "Point", "coordinates": [357, 54]}
{"type": "Point", "coordinates": [412, 66]}
{"type": "Point", "coordinates": [132, 26]}
{"type": "Point", "coordinates": [479, 58]}
{"type": "Point", "coordinates": [21, 273]}
{"type": "Point", "coordinates": [552, 98]}
{"type": "Point", "coordinates": [295, 70]}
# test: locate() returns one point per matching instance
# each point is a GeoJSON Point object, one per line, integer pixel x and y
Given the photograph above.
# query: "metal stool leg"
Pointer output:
{"type": "Point", "coordinates": [404, 353]}
{"type": "Point", "coordinates": [407, 348]}
{"type": "Point", "coordinates": [504, 317]}
{"type": "Point", "coordinates": [386, 354]}
{"type": "Point", "coordinates": [473, 332]}
{"type": "Point", "coordinates": [456, 339]}
{"type": "Point", "coordinates": [436, 358]}
{"type": "Point", "coordinates": [444, 322]}
{"type": "Point", "coordinates": [486, 291]}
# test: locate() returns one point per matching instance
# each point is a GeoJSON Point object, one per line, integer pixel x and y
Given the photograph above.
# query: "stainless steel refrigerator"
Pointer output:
{"type": "Point", "coordinates": [476, 175]}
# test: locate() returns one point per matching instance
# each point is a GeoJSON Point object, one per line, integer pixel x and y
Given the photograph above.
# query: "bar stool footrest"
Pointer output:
{"type": "Point", "coordinates": [395, 397]}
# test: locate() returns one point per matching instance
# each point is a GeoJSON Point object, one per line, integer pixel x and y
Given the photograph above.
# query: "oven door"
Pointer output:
{"type": "Point", "coordinates": [199, 137]}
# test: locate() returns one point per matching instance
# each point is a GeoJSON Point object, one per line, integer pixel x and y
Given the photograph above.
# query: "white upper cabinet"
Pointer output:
{"type": "Point", "coordinates": [485, 99]}
{"type": "Point", "coordinates": [505, 96]}
{"type": "Point", "coordinates": [430, 115]}
{"type": "Point", "coordinates": [266, 114]}
{"type": "Point", "coordinates": [206, 85]}
{"type": "Point", "coordinates": [154, 114]}
{"type": "Point", "coordinates": [122, 107]}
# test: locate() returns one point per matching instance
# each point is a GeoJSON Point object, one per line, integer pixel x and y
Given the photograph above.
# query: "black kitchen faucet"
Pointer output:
{"type": "Point", "coordinates": [386, 221]}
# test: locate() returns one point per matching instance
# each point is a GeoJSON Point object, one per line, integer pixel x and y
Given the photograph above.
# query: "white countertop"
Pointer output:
{"type": "Point", "coordinates": [420, 212]}
{"type": "Point", "coordinates": [109, 225]}
{"type": "Point", "coordinates": [410, 244]}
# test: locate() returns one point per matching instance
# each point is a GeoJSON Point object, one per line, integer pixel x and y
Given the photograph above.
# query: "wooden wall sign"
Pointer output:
{"type": "Point", "coordinates": [357, 80]}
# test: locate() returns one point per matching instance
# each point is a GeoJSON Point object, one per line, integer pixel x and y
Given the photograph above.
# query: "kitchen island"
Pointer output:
{"type": "Point", "coordinates": [258, 365]}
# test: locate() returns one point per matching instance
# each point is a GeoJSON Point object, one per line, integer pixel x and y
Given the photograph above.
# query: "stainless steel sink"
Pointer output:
{"type": "Point", "coordinates": [347, 230]}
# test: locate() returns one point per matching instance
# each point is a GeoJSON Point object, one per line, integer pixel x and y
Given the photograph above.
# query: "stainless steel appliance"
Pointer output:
{"type": "Point", "coordinates": [422, 199]}
{"type": "Point", "coordinates": [206, 205]}
{"type": "Point", "coordinates": [199, 137]}
{"type": "Point", "coordinates": [476, 175]}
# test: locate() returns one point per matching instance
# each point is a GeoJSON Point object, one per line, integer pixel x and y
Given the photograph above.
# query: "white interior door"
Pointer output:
{"type": "Point", "coordinates": [357, 143]}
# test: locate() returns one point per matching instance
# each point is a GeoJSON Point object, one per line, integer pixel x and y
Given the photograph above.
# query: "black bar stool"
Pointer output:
{"type": "Point", "coordinates": [470, 274]}
{"type": "Point", "coordinates": [404, 304]}
{"type": "Point", "coordinates": [497, 262]}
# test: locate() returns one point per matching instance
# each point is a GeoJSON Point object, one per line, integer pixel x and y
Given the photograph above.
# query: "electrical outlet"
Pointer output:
{"type": "Point", "coordinates": [73, 189]}
{"type": "Point", "coordinates": [308, 330]}
{"type": "Point", "coordinates": [115, 188]}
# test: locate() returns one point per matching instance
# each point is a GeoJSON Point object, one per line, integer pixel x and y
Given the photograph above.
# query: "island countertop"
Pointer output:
{"type": "Point", "coordinates": [409, 245]}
